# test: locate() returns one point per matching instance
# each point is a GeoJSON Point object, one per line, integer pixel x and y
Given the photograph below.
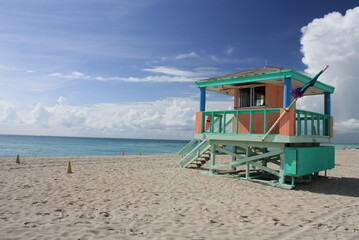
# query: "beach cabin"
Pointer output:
{"type": "Point", "coordinates": [290, 153]}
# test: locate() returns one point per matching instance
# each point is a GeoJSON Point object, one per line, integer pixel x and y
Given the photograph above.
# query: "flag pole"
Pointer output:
{"type": "Point", "coordinates": [286, 110]}
{"type": "Point", "coordinates": [280, 117]}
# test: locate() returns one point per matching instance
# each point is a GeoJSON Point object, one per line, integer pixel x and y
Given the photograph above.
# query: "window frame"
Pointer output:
{"type": "Point", "coordinates": [251, 96]}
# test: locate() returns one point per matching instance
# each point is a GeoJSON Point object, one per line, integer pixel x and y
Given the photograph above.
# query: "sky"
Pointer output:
{"type": "Point", "coordinates": [126, 69]}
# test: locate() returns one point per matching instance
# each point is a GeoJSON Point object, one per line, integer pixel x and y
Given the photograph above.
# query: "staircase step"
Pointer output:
{"type": "Point", "coordinates": [199, 162]}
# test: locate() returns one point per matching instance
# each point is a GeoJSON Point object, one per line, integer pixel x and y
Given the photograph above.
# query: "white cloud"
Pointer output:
{"type": "Point", "coordinates": [180, 56]}
{"type": "Point", "coordinates": [171, 71]}
{"type": "Point", "coordinates": [171, 74]}
{"type": "Point", "coordinates": [347, 126]}
{"type": "Point", "coordinates": [169, 118]}
{"type": "Point", "coordinates": [154, 79]}
{"type": "Point", "coordinates": [7, 112]}
{"type": "Point", "coordinates": [186, 55]}
{"type": "Point", "coordinates": [73, 75]}
{"type": "Point", "coordinates": [334, 40]}
{"type": "Point", "coordinates": [229, 50]}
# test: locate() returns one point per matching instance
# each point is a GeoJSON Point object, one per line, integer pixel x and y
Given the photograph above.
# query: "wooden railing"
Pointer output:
{"type": "Point", "coordinates": [258, 121]}
{"type": "Point", "coordinates": [250, 121]}
{"type": "Point", "coordinates": [311, 123]}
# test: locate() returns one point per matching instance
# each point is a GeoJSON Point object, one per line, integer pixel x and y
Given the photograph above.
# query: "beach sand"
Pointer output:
{"type": "Point", "coordinates": [149, 197]}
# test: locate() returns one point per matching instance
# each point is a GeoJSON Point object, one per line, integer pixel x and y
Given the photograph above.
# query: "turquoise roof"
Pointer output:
{"type": "Point", "coordinates": [262, 75]}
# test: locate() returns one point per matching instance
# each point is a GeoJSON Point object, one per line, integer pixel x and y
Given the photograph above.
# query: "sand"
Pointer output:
{"type": "Point", "coordinates": [149, 197]}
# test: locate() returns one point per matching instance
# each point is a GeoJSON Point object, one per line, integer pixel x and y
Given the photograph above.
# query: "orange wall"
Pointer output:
{"type": "Point", "coordinates": [287, 123]}
{"type": "Point", "coordinates": [199, 117]}
{"type": "Point", "coordinates": [274, 99]}
{"type": "Point", "coordinates": [274, 96]}
{"type": "Point", "coordinates": [257, 126]}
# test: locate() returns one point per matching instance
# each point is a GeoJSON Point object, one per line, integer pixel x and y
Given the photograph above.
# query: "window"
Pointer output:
{"type": "Point", "coordinates": [252, 96]}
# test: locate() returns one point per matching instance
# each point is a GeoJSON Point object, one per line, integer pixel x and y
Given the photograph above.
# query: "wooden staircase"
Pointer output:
{"type": "Point", "coordinates": [201, 160]}
{"type": "Point", "coordinates": [198, 156]}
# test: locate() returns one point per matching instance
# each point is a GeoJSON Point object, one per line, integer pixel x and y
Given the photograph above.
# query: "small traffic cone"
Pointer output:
{"type": "Point", "coordinates": [18, 159]}
{"type": "Point", "coordinates": [69, 167]}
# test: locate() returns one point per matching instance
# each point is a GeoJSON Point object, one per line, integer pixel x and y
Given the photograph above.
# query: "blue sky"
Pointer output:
{"type": "Point", "coordinates": [93, 68]}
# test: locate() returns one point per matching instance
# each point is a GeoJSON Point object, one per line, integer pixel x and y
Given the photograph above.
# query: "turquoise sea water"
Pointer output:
{"type": "Point", "coordinates": [42, 146]}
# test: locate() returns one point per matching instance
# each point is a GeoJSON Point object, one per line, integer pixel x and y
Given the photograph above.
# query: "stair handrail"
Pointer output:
{"type": "Point", "coordinates": [181, 152]}
{"type": "Point", "coordinates": [193, 150]}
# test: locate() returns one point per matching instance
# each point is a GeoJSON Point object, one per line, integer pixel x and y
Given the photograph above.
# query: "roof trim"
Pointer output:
{"type": "Point", "coordinates": [287, 73]}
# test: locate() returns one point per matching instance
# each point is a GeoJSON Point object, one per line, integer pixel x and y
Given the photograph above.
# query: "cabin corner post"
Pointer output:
{"type": "Point", "coordinates": [286, 92]}
{"type": "Point", "coordinates": [288, 123]}
{"type": "Point", "coordinates": [202, 105]}
{"type": "Point", "coordinates": [327, 104]}
{"type": "Point", "coordinates": [327, 111]}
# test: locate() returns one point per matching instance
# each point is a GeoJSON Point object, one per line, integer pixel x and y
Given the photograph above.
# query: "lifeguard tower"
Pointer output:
{"type": "Point", "coordinates": [289, 154]}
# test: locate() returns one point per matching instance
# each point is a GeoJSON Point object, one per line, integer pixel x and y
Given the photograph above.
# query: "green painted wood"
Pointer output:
{"type": "Point", "coordinates": [250, 122]}
{"type": "Point", "coordinates": [246, 159]}
{"type": "Point", "coordinates": [306, 79]}
{"type": "Point", "coordinates": [213, 157]}
{"type": "Point", "coordinates": [194, 154]}
{"type": "Point", "coordinates": [228, 123]}
{"type": "Point", "coordinates": [309, 160]}
{"type": "Point", "coordinates": [305, 124]}
{"type": "Point", "coordinates": [317, 119]}
{"type": "Point", "coordinates": [299, 125]}
{"type": "Point", "coordinates": [237, 122]}
{"type": "Point", "coordinates": [264, 168]}
{"type": "Point", "coordinates": [188, 145]}
{"type": "Point", "coordinates": [234, 158]}
{"type": "Point", "coordinates": [223, 150]}
{"type": "Point", "coordinates": [312, 124]}
{"type": "Point", "coordinates": [290, 161]}
{"type": "Point", "coordinates": [265, 122]}
{"type": "Point", "coordinates": [288, 73]}
{"type": "Point", "coordinates": [212, 122]}
{"type": "Point", "coordinates": [246, 79]}
{"type": "Point", "coordinates": [220, 120]}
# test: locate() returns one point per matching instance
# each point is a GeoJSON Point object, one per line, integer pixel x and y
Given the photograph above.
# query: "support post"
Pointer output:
{"type": "Point", "coordinates": [286, 92]}
{"type": "Point", "coordinates": [327, 104]}
{"type": "Point", "coordinates": [213, 157]}
{"type": "Point", "coordinates": [247, 163]}
{"type": "Point", "coordinates": [327, 111]}
{"type": "Point", "coordinates": [234, 158]}
{"type": "Point", "coordinates": [281, 179]}
{"type": "Point", "coordinates": [202, 106]}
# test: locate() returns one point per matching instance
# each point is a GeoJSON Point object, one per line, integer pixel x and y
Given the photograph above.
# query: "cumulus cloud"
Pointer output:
{"type": "Point", "coordinates": [347, 126]}
{"type": "Point", "coordinates": [168, 118]}
{"type": "Point", "coordinates": [334, 40]}
{"type": "Point", "coordinates": [8, 112]}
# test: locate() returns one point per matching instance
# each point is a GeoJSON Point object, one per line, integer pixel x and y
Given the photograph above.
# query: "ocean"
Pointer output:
{"type": "Point", "coordinates": [46, 146]}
